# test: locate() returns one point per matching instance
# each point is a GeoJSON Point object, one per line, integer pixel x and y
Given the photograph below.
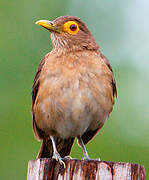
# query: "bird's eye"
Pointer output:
{"type": "Point", "coordinates": [71, 27]}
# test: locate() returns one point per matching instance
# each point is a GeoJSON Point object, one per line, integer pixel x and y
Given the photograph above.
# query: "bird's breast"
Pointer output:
{"type": "Point", "coordinates": [72, 98]}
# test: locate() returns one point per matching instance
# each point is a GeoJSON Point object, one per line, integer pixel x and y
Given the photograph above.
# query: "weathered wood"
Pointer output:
{"type": "Point", "coordinates": [49, 169]}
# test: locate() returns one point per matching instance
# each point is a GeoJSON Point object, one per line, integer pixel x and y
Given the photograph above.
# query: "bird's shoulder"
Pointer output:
{"type": "Point", "coordinates": [36, 78]}
{"type": "Point", "coordinates": [113, 82]}
{"type": "Point", "coordinates": [99, 61]}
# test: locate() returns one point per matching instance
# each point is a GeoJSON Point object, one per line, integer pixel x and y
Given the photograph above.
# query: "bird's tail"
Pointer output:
{"type": "Point", "coordinates": [46, 149]}
{"type": "Point", "coordinates": [63, 147]}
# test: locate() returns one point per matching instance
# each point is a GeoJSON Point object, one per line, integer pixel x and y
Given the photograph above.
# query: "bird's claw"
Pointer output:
{"type": "Point", "coordinates": [98, 159]}
{"type": "Point", "coordinates": [62, 163]}
{"type": "Point", "coordinates": [58, 158]}
{"type": "Point", "coordinates": [68, 157]}
{"type": "Point", "coordinates": [85, 158]}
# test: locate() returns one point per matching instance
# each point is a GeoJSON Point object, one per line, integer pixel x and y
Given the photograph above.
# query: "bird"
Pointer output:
{"type": "Point", "coordinates": [73, 90]}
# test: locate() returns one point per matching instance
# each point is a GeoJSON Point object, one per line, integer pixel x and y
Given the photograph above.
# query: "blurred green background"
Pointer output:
{"type": "Point", "coordinates": [122, 30]}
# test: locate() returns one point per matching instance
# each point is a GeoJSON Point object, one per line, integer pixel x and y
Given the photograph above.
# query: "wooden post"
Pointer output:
{"type": "Point", "coordinates": [49, 169]}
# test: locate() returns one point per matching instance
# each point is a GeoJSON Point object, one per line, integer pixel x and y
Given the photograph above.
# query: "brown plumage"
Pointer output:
{"type": "Point", "coordinates": [73, 90]}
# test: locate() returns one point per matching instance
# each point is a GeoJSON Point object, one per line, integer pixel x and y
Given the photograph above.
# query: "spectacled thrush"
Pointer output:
{"type": "Point", "coordinates": [73, 90]}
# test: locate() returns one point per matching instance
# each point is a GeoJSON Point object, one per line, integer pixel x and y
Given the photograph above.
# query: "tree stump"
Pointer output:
{"type": "Point", "coordinates": [49, 169]}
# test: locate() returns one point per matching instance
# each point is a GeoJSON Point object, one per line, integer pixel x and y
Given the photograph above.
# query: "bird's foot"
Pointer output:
{"type": "Point", "coordinates": [58, 158]}
{"type": "Point", "coordinates": [86, 158]}
{"type": "Point", "coordinates": [68, 157]}
{"type": "Point", "coordinates": [98, 159]}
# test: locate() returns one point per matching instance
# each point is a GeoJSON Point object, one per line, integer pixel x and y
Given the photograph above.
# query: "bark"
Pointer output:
{"type": "Point", "coordinates": [49, 169]}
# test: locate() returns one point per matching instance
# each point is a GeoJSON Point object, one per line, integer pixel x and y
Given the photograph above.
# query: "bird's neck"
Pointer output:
{"type": "Point", "coordinates": [65, 45]}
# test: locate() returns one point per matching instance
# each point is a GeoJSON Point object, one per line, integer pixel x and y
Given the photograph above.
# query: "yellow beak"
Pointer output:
{"type": "Point", "coordinates": [48, 25]}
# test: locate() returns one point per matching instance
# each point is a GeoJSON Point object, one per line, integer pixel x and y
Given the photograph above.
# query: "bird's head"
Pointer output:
{"type": "Point", "coordinates": [69, 32]}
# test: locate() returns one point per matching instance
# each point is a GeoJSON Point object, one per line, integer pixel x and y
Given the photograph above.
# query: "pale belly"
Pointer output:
{"type": "Point", "coordinates": [69, 110]}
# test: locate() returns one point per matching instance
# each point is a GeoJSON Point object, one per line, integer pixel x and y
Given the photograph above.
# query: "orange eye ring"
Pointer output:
{"type": "Point", "coordinates": [71, 27]}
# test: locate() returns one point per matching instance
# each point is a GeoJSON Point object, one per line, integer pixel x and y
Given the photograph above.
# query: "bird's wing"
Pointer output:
{"type": "Point", "coordinates": [37, 132]}
{"type": "Point", "coordinates": [89, 134]}
{"type": "Point", "coordinates": [46, 150]}
{"type": "Point", "coordinates": [36, 80]}
{"type": "Point", "coordinates": [113, 80]}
